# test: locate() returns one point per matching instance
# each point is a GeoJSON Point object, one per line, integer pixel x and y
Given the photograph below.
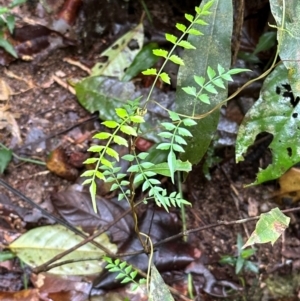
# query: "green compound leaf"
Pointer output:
{"type": "Point", "coordinates": [268, 228]}
{"type": "Point", "coordinates": [128, 130]}
{"type": "Point", "coordinates": [176, 59]}
{"type": "Point", "coordinates": [213, 47]}
{"type": "Point", "coordinates": [275, 114]}
{"type": "Point", "coordinates": [160, 52]}
{"type": "Point", "coordinates": [190, 90]}
{"type": "Point", "coordinates": [199, 80]}
{"type": "Point", "coordinates": [5, 158]}
{"type": "Point", "coordinates": [41, 244]}
{"type": "Point", "coordinates": [120, 141]}
{"type": "Point", "coordinates": [195, 32]}
{"type": "Point", "coordinates": [189, 17]}
{"type": "Point", "coordinates": [164, 170]}
{"type": "Point", "coordinates": [211, 73]}
{"type": "Point", "coordinates": [151, 71]}
{"type": "Point", "coordinates": [186, 45]}
{"type": "Point", "coordinates": [137, 119]}
{"type": "Point", "coordinates": [171, 38]}
{"type": "Point", "coordinates": [165, 78]}
{"type": "Point", "coordinates": [122, 113]}
{"type": "Point", "coordinates": [110, 124]}
{"type": "Point", "coordinates": [111, 152]}
{"type": "Point", "coordinates": [102, 136]}
{"type": "Point", "coordinates": [181, 27]}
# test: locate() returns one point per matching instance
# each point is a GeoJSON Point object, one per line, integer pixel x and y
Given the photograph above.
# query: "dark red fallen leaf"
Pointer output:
{"type": "Point", "coordinates": [143, 145]}
{"type": "Point", "coordinates": [76, 208]}
{"type": "Point", "coordinates": [158, 224]}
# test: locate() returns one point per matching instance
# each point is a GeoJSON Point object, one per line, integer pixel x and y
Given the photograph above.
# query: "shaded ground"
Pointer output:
{"type": "Point", "coordinates": [49, 117]}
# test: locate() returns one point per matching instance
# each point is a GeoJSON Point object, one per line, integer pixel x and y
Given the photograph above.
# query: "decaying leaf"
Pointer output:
{"type": "Point", "coordinates": [41, 244]}
{"type": "Point", "coordinates": [119, 56]}
{"type": "Point", "coordinates": [5, 90]}
{"type": "Point", "coordinates": [268, 228]}
{"type": "Point", "coordinates": [8, 121]}
{"type": "Point", "coordinates": [158, 289]}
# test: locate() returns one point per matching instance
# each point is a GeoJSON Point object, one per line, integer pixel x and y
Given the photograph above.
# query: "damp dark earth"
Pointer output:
{"type": "Point", "coordinates": [161, 220]}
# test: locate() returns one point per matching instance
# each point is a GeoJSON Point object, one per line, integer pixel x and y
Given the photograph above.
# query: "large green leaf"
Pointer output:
{"type": "Point", "coordinates": [213, 48]}
{"type": "Point", "coordinates": [289, 38]}
{"type": "Point", "coordinates": [119, 56]}
{"type": "Point", "coordinates": [41, 244]}
{"type": "Point", "coordinates": [277, 115]}
{"type": "Point", "coordinates": [268, 228]}
{"type": "Point", "coordinates": [96, 93]}
{"type": "Point", "coordinates": [5, 158]}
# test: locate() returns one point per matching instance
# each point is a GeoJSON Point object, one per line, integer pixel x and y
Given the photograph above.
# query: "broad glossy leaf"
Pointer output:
{"type": "Point", "coordinates": [289, 39]}
{"type": "Point", "coordinates": [144, 59]}
{"type": "Point", "coordinates": [268, 228]}
{"type": "Point", "coordinates": [120, 54]}
{"type": "Point", "coordinates": [158, 289]}
{"type": "Point", "coordinates": [277, 115]}
{"type": "Point", "coordinates": [213, 48]}
{"type": "Point", "coordinates": [41, 244]}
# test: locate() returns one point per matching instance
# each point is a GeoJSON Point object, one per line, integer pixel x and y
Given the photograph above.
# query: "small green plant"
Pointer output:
{"type": "Point", "coordinates": [126, 128]}
{"type": "Point", "coordinates": [7, 21]}
{"type": "Point", "coordinates": [126, 274]}
{"type": "Point", "coordinates": [241, 261]}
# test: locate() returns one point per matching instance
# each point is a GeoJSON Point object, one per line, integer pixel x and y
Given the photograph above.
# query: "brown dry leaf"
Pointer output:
{"type": "Point", "coordinates": [5, 90]}
{"type": "Point", "coordinates": [25, 295]}
{"type": "Point", "coordinates": [289, 186]}
{"type": "Point", "coordinates": [8, 121]}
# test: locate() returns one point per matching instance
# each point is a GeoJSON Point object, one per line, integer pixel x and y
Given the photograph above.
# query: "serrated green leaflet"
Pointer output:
{"type": "Point", "coordinates": [275, 114]}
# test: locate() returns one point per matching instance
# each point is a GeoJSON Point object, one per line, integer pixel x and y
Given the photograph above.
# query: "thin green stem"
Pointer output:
{"type": "Point", "coordinates": [38, 162]}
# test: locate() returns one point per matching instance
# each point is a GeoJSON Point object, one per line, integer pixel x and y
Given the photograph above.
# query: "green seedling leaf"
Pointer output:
{"type": "Point", "coordinates": [181, 27]}
{"type": "Point", "coordinates": [186, 45]}
{"type": "Point", "coordinates": [172, 163]}
{"type": "Point", "coordinates": [165, 78]}
{"type": "Point", "coordinates": [120, 55]}
{"type": "Point", "coordinates": [277, 115]}
{"type": "Point", "coordinates": [128, 157]}
{"type": "Point", "coordinates": [171, 38]}
{"type": "Point", "coordinates": [189, 17]}
{"type": "Point", "coordinates": [110, 124]}
{"type": "Point", "coordinates": [289, 39]}
{"type": "Point", "coordinates": [122, 113]}
{"type": "Point", "coordinates": [137, 119]}
{"type": "Point", "coordinates": [194, 32]}
{"type": "Point", "coordinates": [163, 168]}
{"type": "Point", "coordinates": [102, 136]}
{"type": "Point", "coordinates": [200, 80]}
{"type": "Point", "coordinates": [128, 130]}
{"type": "Point", "coordinates": [213, 47]}
{"type": "Point", "coordinates": [268, 228]}
{"type": "Point", "coordinates": [41, 244]}
{"type": "Point", "coordinates": [5, 158]}
{"type": "Point", "coordinates": [176, 59]}
{"type": "Point", "coordinates": [151, 71]}
{"type": "Point", "coordinates": [174, 116]}
{"type": "Point", "coordinates": [158, 289]}
{"type": "Point", "coordinates": [120, 140]}
{"type": "Point", "coordinates": [160, 52]}
{"type": "Point", "coordinates": [111, 152]}
{"type": "Point", "coordinates": [6, 255]}
{"type": "Point", "coordinates": [8, 47]}
{"type": "Point", "coordinates": [190, 90]}
{"type": "Point", "coordinates": [10, 22]}
{"type": "Point", "coordinates": [144, 59]}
